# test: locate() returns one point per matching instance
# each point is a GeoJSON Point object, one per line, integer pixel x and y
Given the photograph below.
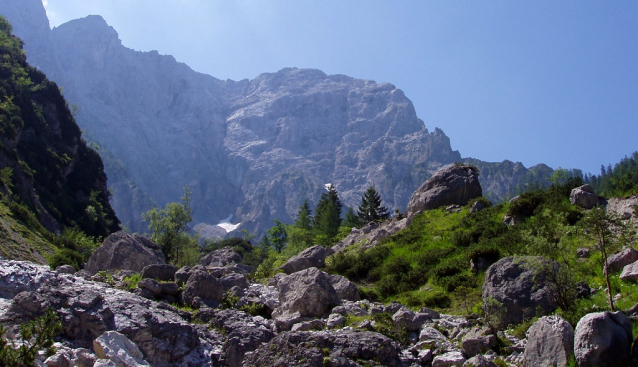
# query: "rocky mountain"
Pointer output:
{"type": "Point", "coordinates": [250, 149]}
{"type": "Point", "coordinates": [50, 178]}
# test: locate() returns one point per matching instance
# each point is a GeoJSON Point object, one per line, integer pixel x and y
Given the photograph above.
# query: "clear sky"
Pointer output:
{"type": "Point", "coordinates": [552, 82]}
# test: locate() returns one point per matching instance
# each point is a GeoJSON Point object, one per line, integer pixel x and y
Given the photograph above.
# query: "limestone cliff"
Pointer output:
{"type": "Point", "coordinates": [253, 149]}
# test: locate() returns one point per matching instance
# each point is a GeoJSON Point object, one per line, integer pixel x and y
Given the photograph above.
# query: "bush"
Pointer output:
{"type": "Point", "coordinates": [437, 300]}
{"type": "Point", "coordinates": [66, 256]}
{"type": "Point", "coordinates": [35, 336]}
{"type": "Point", "coordinates": [527, 203]}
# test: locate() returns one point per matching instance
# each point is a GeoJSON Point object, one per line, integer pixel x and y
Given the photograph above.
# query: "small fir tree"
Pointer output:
{"type": "Point", "coordinates": [327, 218]}
{"type": "Point", "coordinates": [351, 220]}
{"type": "Point", "coordinates": [277, 236]}
{"type": "Point", "coordinates": [370, 209]}
{"type": "Point", "coordinates": [611, 232]}
{"type": "Point", "coordinates": [304, 217]}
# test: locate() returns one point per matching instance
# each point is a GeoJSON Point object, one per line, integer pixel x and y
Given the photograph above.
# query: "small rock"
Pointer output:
{"type": "Point", "coordinates": [449, 359]}
{"type": "Point", "coordinates": [65, 269]}
{"type": "Point", "coordinates": [119, 349]}
{"type": "Point", "coordinates": [582, 252]}
{"type": "Point", "coordinates": [151, 284]}
{"type": "Point", "coordinates": [335, 320]}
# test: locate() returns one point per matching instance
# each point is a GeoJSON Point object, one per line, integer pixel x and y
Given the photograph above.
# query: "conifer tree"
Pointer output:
{"type": "Point", "coordinates": [370, 208]}
{"type": "Point", "coordinates": [351, 219]}
{"type": "Point", "coordinates": [328, 213]}
{"type": "Point", "coordinates": [304, 217]}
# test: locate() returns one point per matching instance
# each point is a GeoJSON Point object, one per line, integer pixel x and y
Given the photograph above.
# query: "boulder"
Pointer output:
{"type": "Point", "coordinates": [550, 342]}
{"type": "Point", "coordinates": [316, 324]}
{"type": "Point", "coordinates": [220, 258]}
{"type": "Point", "coordinates": [244, 333]}
{"type": "Point", "coordinates": [603, 339]}
{"type": "Point", "coordinates": [314, 256]}
{"type": "Point", "coordinates": [478, 206]}
{"type": "Point", "coordinates": [478, 341]}
{"type": "Point", "coordinates": [408, 320]}
{"type": "Point", "coordinates": [204, 286]}
{"type": "Point", "coordinates": [20, 276]}
{"type": "Point", "coordinates": [234, 280]}
{"type": "Point", "coordinates": [65, 269]}
{"type": "Point", "coordinates": [124, 251]}
{"type": "Point", "coordinates": [369, 235]}
{"type": "Point", "coordinates": [584, 197]}
{"type": "Point", "coordinates": [151, 284]}
{"type": "Point", "coordinates": [511, 282]}
{"type": "Point", "coordinates": [583, 252]}
{"type": "Point", "coordinates": [449, 359]}
{"type": "Point", "coordinates": [450, 185]}
{"type": "Point", "coordinates": [159, 272]}
{"type": "Point", "coordinates": [479, 361]}
{"type": "Point", "coordinates": [630, 272]}
{"type": "Point", "coordinates": [181, 276]}
{"type": "Point", "coordinates": [119, 349]}
{"type": "Point", "coordinates": [619, 260]}
{"type": "Point", "coordinates": [344, 347]}
{"type": "Point", "coordinates": [346, 290]}
{"type": "Point", "coordinates": [335, 320]}
{"type": "Point", "coordinates": [307, 293]}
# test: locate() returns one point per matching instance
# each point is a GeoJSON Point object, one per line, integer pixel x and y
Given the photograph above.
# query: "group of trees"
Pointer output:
{"type": "Point", "coordinates": [327, 223]}
{"type": "Point", "coordinates": [620, 180]}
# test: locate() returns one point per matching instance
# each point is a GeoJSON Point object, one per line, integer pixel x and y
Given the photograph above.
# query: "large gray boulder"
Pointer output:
{"type": "Point", "coordinates": [314, 256]}
{"type": "Point", "coordinates": [478, 341]}
{"type": "Point", "coordinates": [164, 272]}
{"type": "Point", "coordinates": [307, 293]}
{"type": "Point", "coordinates": [584, 197]}
{"type": "Point", "coordinates": [450, 185]}
{"type": "Point", "coordinates": [630, 272]}
{"type": "Point", "coordinates": [550, 342]}
{"type": "Point", "coordinates": [204, 286]}
{"type": "Point", "coordinates": [603, 339]}
{"type": "Point", "coordinates": [619, 260]}
{"type": "Point", "coordinates": [220, 258]}
{"type": "Point", "coordinates": [344, 347]}
{"type": "Point", "coordinates": [124, 251]}
{"type": "Point", "coordinates": [512, 282]}
{"type": "Point", "coordinates": [346, 290]}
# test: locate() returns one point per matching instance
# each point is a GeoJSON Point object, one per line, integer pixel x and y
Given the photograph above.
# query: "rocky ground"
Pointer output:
{"type": "Point", "coordinates": [212, 315]}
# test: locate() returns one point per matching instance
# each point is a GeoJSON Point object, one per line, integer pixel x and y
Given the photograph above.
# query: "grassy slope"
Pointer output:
{"type": "Point", "coordinates": [18, 241]}
{"type": "Point", "coordinates": [428, 263]}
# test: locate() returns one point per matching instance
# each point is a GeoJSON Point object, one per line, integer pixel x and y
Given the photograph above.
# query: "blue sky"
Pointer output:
{"type": "Point", "coordinates": [552, 82]}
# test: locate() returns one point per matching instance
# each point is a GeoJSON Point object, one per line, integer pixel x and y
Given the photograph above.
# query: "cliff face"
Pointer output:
{"type": "Point", "coordinates": [45, 163]}
{"type": "Point", "coordinates": [253, 148]}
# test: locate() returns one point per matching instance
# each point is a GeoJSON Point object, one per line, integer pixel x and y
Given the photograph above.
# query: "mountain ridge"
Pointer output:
{"type": "Point", "coordinates": [251, 148]}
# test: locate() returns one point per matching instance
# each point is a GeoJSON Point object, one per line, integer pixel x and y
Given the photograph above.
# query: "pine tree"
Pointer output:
{"type": "Point", "coordinates": [351, 219]}
{"type": "Point", "coordinates": [304, 217]}
{"type": "Point", "coordinates": [370, 208]}
{"type": "Point", "coordinates": [328, 214]}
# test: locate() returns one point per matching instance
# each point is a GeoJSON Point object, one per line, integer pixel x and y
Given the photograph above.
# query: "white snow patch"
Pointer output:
{"type": "Point", "coordinates": [227, 225]}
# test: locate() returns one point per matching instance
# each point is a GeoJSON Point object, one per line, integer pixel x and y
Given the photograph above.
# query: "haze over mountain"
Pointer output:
{"type": "Point", "coordinates": [253, 149]}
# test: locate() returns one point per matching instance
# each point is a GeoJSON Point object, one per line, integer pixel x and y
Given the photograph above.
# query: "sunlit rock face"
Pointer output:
{"type": "Point", "coordinates": [253, 148]}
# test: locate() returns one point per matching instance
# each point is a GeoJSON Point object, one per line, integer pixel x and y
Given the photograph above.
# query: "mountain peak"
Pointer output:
{"type": "Point", "coordinates": [93, 29]}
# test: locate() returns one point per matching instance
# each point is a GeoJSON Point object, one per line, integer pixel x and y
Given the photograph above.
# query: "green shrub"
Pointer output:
{"type": "Point", "coordinates": [66, 256]}
{"type": "Point", "coordinates": [527, 203]}
{"type": "Point", "coordinates": [35, 336]}
{"type": "Point", "coordinates": [437, 300]}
